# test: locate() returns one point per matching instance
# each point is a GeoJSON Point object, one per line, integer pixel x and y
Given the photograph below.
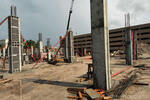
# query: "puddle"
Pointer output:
{"type": "Point", "coordinates": [19, 88]}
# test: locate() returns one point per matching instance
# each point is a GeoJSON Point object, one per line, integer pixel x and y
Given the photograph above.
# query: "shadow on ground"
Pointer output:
{"type": "Point", "coordinates": [60, 83]}
{"type": "Point", "coordinates": [3, 71]}
{"type": "Point", "coordinates": [143, 57]}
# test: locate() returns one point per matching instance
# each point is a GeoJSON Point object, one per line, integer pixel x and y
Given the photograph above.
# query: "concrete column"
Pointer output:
{"type": "Point", "coordinates": [0, 52]}
{"type": "Point", "coordinates": [66, 48]}
{"type": "Point", "coordinates": [134, 44]}
{"type": "Point", "coordinates": [129, 51]}
{"type": "Point", "coordinates": [40, 48]}
{"type": "Point", "coordinates": [85, 52]}
{"type": "Point", "coordinates": [70, 47]}
{"type": "Point", "coordinates": [40, 45]}
{"type": "Point", "coordinates": [22, 52]}
{"type": "Point", "coordinates": [48, 43]}
{"type": "Point", "coordinates": [62, 45]}
{"type": "Point", "coordinates": [100, 44]}
{"type": "Point", "coordinates": [40, 36]}
{"type": "Point", "coordinates": [4, 52]}
{"type": "Point", "coordinates": [32, 50]}
{"type": "Point", "coordinates": [49, 56]}
{"type": "Point", "coordinates": [15, 44]}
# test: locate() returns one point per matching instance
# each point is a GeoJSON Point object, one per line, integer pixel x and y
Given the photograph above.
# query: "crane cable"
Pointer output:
{"type": "Point", "coordinates": [68, 24]}
{"type": "Point", "coordinates": [3, 21]}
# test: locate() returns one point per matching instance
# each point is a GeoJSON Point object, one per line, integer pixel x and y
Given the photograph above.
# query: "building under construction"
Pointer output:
{"type": "Point", "coordinates": [83, 42]}
{"type": "Point", "coordinates": [31, 70]}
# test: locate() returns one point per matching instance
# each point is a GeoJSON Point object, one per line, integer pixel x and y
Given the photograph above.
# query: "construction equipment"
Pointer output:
{"type": "Point", "coordinates": [54, 58]}
{"type": "Point", "coordinates": [3, 21]}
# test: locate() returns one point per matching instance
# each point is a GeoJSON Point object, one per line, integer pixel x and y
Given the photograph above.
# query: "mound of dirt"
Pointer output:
{"type": "Point", "coordinates": [143, 49]}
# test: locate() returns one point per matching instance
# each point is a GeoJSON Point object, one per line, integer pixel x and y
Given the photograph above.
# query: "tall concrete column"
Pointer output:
{"type": "Point", "coordinates": [129, 49]}
{"type": "Point", "coordinates": [49, 56]}
{"type": "Point", "coordinates": [84, 52]}
{"type": "Point", "coordinates": [0, 52]}
{"type": "Point", "coordinates": [100, 44]}
{"type": "Point", "coordinates": [40, 45]}
{"type": "Point", "coordinates": [128, 41]}
{"type": "Point", "coordinates": [66, 48]}
{"type": "Point", "coordinates": [4, 52]}
{"type": "Point", "coordinates": [48, 43]}
{"type": "Point", "coordinates": [134, 45]}
{"type": "Point", "coordinates": [32, 50]}
{"type": "Point", "coordinates": [14, 44]}
{"type": "Point", "coordinates": [70, 47]}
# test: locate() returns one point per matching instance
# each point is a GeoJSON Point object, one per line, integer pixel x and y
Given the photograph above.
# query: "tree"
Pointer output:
{"type": "Point", "coordinates": [30, 43]}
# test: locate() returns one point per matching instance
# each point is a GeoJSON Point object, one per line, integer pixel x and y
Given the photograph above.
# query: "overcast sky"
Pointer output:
{"type": "Point", "coordinates": [50, 16]}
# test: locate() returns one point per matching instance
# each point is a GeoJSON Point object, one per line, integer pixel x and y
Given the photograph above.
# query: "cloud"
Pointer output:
{"type": "Point", "coordinates": [139, 10]}
{"type": "Point", "coordinates": [50, 16]}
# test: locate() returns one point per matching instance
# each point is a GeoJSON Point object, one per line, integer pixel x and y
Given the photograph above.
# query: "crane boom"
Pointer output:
{"type": "Point", "coordinates": [70, 12]}
{"type": "Point", "coordinates": [68, 25]}
{"type": "Point", "coordinates": [3, 21]}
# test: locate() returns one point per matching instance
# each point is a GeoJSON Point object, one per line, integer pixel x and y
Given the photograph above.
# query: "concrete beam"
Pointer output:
{"type": "Point", "coordinates": [100, 44]}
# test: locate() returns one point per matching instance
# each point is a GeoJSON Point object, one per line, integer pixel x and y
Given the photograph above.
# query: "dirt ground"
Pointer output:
{"type": "Point", "coordinates": [48, 82]}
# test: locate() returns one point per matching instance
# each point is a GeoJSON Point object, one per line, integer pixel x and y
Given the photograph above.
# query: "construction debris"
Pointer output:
{"type": "Point", "coordinates": [80, 95]}
{"type": "Point", "coordinates": [73, 97]}
{"type": "Point", "coordinates": [142, 66]}
{"type": "Point", "coordinates": [124, 84]}
{"type": "Point", "coordinates": [90, 71]}
{"type": "Point", "coordinates": [94, 94]}
{"type": "Point", "coordinates": [2, 81]}
{"type": "Point", "coordinates": [140, 83]}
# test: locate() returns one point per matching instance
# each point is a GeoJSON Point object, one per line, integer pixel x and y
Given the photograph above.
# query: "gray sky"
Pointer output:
{"type": "Point", "coordinates": [50, 16]}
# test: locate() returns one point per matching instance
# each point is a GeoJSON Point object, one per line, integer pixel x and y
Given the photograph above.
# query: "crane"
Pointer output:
{"type": "Point", "coordinates": [54, 60]}
{"type": "Point", "coordinates": [70, 12]}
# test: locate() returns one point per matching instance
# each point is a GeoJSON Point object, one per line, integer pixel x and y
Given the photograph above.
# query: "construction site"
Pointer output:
{"type": "Point", "coordinates": [104, 64]}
